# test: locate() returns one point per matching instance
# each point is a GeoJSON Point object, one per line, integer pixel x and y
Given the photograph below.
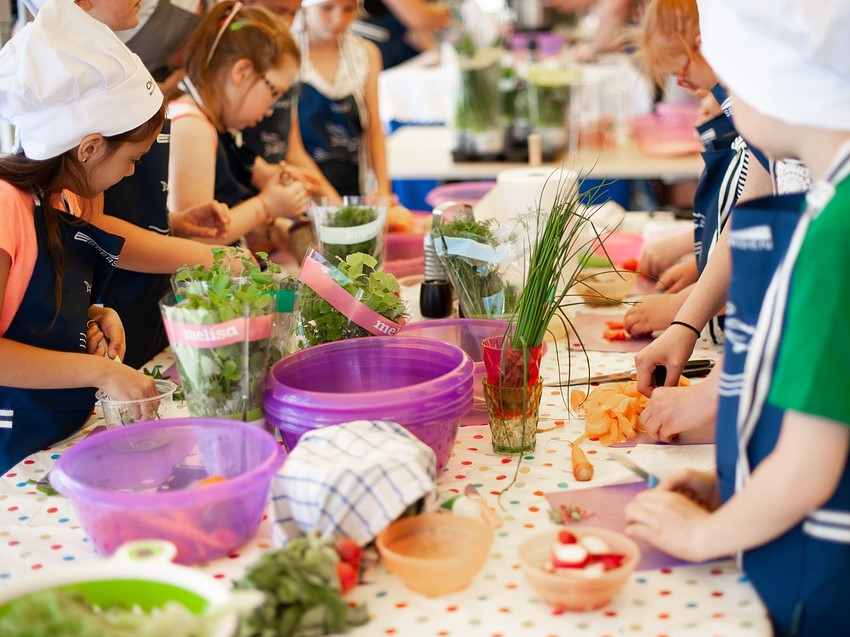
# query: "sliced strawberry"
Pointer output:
{"type": "Point", "coordinates": [615, 335]}
{"type": "Point", "coordinates": [569, 556]}
{"type": "Point", "coordinates": [629, 264]}
{"type": "Point", "coordinates": [614, 325]}
{"type": "Point", "coordinates": [565, 537]}
{"type": "Point", "coordinates": [609, 561]}
{"type": "Point", "coordinates": [595, 545]}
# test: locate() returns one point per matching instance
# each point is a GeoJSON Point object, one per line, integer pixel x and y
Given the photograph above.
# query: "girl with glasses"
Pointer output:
{"type": "Point", "coordinates": [239, 62]}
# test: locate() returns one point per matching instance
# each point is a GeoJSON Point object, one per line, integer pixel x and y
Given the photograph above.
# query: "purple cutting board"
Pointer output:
{"type": "Point", "coordinates": [607, 504]}
{"type": "Point", "coordinates": [591, 328]}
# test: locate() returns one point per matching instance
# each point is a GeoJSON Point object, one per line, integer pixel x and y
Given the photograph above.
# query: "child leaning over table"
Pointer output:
{"type": "Point", "coordinates": [85, 113]}
{"type": "Point", "coordinates": [782, 491]}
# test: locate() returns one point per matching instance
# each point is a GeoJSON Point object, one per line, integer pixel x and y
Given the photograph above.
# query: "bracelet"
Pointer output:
{"type": "Point", "coordinates": [688, 325]}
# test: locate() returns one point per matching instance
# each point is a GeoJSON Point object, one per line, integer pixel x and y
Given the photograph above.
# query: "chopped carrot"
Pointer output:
{"type": "Point", "coordinates": [577, 397]}
{"type": "Point", "coordinates": [582, 469]}
{"type": "Point", "coordinates": [214, 479]}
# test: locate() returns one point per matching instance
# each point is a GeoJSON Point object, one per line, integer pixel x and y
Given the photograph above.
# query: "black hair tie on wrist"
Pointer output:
{"type": "Point", "coordinates": [689, 326]}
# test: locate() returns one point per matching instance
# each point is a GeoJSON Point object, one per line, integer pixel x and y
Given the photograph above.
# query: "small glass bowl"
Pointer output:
{"type": "Point", "coordinates": [117, 413]}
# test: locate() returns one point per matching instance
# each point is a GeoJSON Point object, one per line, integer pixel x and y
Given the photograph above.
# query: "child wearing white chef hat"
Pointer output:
{"type": "Point", "coordinates": [781, 495]}
{"type": "Point", "coordinates": [86, 109]}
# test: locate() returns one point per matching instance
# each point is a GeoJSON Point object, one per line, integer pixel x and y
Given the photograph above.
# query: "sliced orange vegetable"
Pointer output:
{"type": "Point", "coordinates": [577, 397]}
{"type": "Point", "coordinates": [214, 479]}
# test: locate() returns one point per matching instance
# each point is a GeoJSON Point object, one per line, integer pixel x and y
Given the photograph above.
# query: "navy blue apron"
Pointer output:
{"type": "Point", "coordinates": [332, 134]}
{"type": "Point", "coordinates": [141, 200]}
{"type": "Point", "coordinates": [720, 184]}
{"type": "Point", "coordinates": [387, 32]}
{"type": "Point", "coordinates": [32, 419]}
{"type": "Point", "coordinates": [722, 96]}
{"type": "Point", "coordinates": [270, 138]}
{"type": "Point", "coordinates": [797, 576]}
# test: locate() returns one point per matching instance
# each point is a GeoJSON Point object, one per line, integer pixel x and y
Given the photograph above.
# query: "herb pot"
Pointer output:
{"type": "Point", "coordinates": [512, 413]}
{"type": "Point", "coordinates": [354, 224]}
{"type": "Point", "coordinates": [509, 367]}
{"type": "Point", "coordinates": [222, 359]}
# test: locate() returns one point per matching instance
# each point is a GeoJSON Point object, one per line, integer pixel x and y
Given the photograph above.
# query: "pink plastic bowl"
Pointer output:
{"type": "Point", "coordinates": [420, 383]}
{"type": "Point", "coordinates": [145, 482]}
{"type": "Point", "coordinates": [468, 192]}
{"type": "Point", "coordinates": [467, 334]}
{"type": "Point", "coordinates": [664, 139]}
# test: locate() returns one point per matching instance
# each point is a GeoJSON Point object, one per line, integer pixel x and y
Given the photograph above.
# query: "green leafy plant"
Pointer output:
{"type": "Point", "coordinates": [225, 380]}
{"type": "Point", "coordinates": [303, 592]}
{"type": "Point", "coordinates": [478, 94]}
{"type": "Point", "coordinates": [348, 217]}
{"type": "Point", "coordinates": [479, 283]}
{"type": "Point", "coordinates": [319, 322]}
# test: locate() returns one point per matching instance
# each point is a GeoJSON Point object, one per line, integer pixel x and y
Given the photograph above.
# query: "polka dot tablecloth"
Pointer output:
{"type": "Point", "coordinates": [39, 532]}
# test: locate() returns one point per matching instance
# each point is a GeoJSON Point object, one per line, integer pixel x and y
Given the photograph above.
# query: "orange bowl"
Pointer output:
{"type": "Point", "coordinates": [570, 590]}
{"type": "Point", "coordinates": [435, 553]}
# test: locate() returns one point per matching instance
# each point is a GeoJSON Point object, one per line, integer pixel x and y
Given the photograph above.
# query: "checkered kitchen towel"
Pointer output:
{"type": "Point", "coordinates": [352, 480]}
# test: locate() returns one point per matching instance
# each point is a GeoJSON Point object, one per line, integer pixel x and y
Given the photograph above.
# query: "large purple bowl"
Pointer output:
{"type": "Point", "coordinates": [422, 384]}
{"type": "Point", "coordinates": [151, 481]}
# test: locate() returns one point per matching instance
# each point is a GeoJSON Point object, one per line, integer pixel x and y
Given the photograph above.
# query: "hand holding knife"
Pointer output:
{"type": "Point", "coordinates": [696, 367]}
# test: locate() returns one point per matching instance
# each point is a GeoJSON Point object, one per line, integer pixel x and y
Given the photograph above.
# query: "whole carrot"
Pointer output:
{"type": "Point", "coordinates": [582, 469]}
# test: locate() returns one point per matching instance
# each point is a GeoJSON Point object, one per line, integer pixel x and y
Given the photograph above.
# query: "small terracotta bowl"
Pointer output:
{"type": "Point", "coordinates": [435, 553]}
{"type": "Point", "coordinates": [570, 590]}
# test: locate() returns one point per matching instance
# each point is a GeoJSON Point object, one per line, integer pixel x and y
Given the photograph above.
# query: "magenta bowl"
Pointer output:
{"type": "Point", "coordinates": [422, 384]}
{"type": "Point", "coordinates": [467, 334]}
{"type": "Point", "coordinates": [201, 483]}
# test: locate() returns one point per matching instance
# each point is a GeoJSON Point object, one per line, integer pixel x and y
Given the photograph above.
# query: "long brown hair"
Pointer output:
{"type": "Point", "coordinates": [254, 34]}
{"type": "Point", "coordinates": [47, 178]}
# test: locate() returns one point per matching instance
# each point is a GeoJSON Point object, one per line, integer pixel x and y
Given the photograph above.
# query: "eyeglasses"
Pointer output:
{"type": "Point", "coordinates": [233, 11]}
{"type": "Point", "coordinates": [681, 80]}
{"type": "Point", "coordinates": [276, 91]}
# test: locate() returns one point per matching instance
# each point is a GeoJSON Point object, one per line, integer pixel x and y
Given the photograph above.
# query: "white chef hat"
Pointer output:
{"type": "Point", "coordinates": [66, 75]}
{"type": "Point", "coordinates": [789, 59]}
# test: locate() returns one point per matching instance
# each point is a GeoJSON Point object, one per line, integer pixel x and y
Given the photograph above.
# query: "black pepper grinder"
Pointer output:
{"type": "Point", "coordinates": [435, 294]}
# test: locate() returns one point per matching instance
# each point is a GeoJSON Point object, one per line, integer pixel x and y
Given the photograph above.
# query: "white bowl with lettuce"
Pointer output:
{"type": "Point", "coordinates": [138, 592]}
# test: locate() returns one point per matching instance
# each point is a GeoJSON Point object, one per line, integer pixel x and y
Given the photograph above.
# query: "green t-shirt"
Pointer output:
{"type": "Point", "coordinates": [812, 373]}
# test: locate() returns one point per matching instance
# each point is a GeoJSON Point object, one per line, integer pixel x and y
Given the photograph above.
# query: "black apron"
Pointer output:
{"type": "Point", "coordinates": [32, 419]}
{"type": "Point", "coordinates": [141, 200]}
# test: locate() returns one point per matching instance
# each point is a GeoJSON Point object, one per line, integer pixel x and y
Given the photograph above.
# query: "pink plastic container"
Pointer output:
{"type": "Point", "coordinates": [661, 138]}
{"type": "Point", "coordinates": [201, 483]}
{"type": "Point", "coordinates": [420, 383]}
{"type": "Point", "coordinates": [468, 192]}
{"type": "Point", "coordinates": [467, 334]}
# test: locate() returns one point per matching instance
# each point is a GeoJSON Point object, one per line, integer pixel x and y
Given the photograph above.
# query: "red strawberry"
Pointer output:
{"type": "Point", "coordinates": [609, 560]}
{"type": "Point", "coordinates": [349, 551]}
{"type": "Point", "coordinates": [630, 264]}
{"type": "Point", "coordinates": [347, 576]}
{"type": "Point", "coordinates": [565, 537]}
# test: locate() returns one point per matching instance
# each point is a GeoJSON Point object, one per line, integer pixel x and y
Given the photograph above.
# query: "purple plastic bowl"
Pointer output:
{"type": "Point", "coordinates": [142, 482]}
{"type": "Point", "coordinates": [422, 384]}
{"type": "Point", "coordinates": [466, 334]}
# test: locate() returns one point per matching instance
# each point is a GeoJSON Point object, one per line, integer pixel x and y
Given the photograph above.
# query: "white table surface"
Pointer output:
{"type": "Point", "coordinates": [40, 533]}
{"type": "Point", "coordinates": [424, 152]}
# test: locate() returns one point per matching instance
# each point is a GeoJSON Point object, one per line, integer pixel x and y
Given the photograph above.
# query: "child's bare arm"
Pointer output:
{"type": "Point", "coordinates": [799, 476]}
{"type": "Point", "coordinates": [377, 140]}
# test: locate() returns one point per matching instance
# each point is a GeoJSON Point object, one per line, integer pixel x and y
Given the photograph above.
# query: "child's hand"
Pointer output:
{"type": "Point", "coordinates": [285, 200]}
{"type": "Point", "coordinates": [660, 254]}
{"type": "Point", "coordinates": [105, 333]}
{"type": "Point", "coordinates": [669, 521]}
{"type": "Point", "coordinates": [206, 221]}
{"type": "Point", "coordinates": [698, 486]}
{"type": "Point", "coordinates": [672, 350]}
{"type": "Point", "coordinates": [653, 312]}
{"type": "Point", "coordinates": [678, 276]}
{"type": "Point", "coordinates": [674, 410]}
{"type": "Point", "coordinates": [309, 180]}
{"type": "Point", "coordinates": [121, 382]}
